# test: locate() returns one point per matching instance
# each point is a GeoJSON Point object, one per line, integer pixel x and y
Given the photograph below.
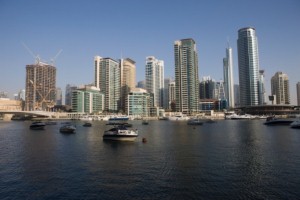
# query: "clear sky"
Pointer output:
{"type": "Point", "coordinates": [141, 28]}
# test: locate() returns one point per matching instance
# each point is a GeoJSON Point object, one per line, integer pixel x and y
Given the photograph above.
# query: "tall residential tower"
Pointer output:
{"type": "Point", "coordinates": [155, 79]}
{"type": "Point", "coordinates": [228, 77]}
{"type": "Point", "coordinates": [280, 88]}
{"type": "Point", "coordinates": [186, 76]}
{"type": "Point", "coordinates": [248, 66]}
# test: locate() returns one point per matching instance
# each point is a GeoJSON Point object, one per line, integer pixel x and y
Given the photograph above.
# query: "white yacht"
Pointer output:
{"type": "Point", "coordinates": [295, 124]}
{"type": "Point", "coordinates": [179, 117]}
{"type": "Point", "coordinates": [120, 133]}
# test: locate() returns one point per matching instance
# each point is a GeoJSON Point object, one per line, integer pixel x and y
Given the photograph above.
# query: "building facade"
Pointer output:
{"type": "Point", "coordinates": [207, 87]}
{"type": "Point", "coordinates": [139, 103]}
{"type": "Point", "coordinates": [128, 76]}
{"type": "Point", "coordinates": [87, 99]}
{"type": "Point", "coordinates": [107, 79]}
{"type": "Point", "coordinates": [280, 88]}
{"type": "Point", "coordinates": [248, 66]}
{"type": "Point", "coordinates": [261, 88]}
{"type": "Point", "coordinates": [154, 74]}
{"type": "Point", "coordinates": [40, 86]}
{"type": "Point", "coordinates": [68, 94]}
{"type": "Point", "coordinates": [172, 96]}
{"type": "Point", "coordinates": [228, 77]}
{"type": "Point", "coordinates": [58, 96]}
{"type": "Point", "coordinates": [298, 93]}
{"type": "Point", "coordinates": [186, 76]}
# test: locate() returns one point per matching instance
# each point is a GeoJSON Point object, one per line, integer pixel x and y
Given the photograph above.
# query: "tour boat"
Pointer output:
{"type": "Point", "coordinates": [37, 126]}
{"type": "Point", "coordinates": [178, 117]}
{"type": "Point", "coordinates": [277, 121]}
{"type": "Point", "coordinates": [120, 133]}
{"type": "Point", "coordinates": [87, 124]}
{"type": "Point", "coordinates": [67, 129]}
{"type": "Point", "coordinates": [295, 124]}
{"type": "Point", "coordinates": [119, 118]}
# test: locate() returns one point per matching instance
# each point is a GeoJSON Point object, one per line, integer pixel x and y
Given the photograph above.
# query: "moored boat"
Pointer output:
{"type": "Point", "coordinates": [295, 124]}
{"type": "Point", "coordinates": [194, 122]}
{"type": "Point", "coordinates": [37, 126]}
{"type": "Point", "coordinates": [178, 117]}
{"type": "Point", "coordinates": [119, 118]}
{"type": "Point", "coordinates": [120, 133]}
{"type": "Point", "coordinates": [67, 129]}
{"type": "Point", "coordinates": [272, 121]}
{"type": "Point", "coordinates": [87, 124]}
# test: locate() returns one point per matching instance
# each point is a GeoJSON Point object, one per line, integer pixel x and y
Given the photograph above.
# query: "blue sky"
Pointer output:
{"type": "Point", "coordinates": [137, 29]}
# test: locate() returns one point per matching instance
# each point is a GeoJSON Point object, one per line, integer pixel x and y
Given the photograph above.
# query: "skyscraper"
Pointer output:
{"type": "Point", "coordinates": [261, 87]}
{"type": "Point", "coordinates": [248, 66]}
{"type": "Point", "coordinates": [172, 96]}
{"type": "Point", "coordinates": [128, 71]}
{"type": "Point", "coordinates": [298, 93]}
{"type": "Point", "coordinates": [186, 76]}
{"type": "Point", "coordinates": [280, 88]}
{"type": "Point", "coordinates": [58, 96]}
{"type": "Point", "coordinates": [228, 77]}
{"type": "Point", "coordinates": [155, 79]}
{"type": "Point", "coordinates": [107, 79]}
{"type": "Point", "coordinates": [40, 86]}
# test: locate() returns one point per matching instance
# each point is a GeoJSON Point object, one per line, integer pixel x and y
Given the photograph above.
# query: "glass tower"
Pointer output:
{"type": "Point", "coordinates": [186, 76]}
{"type": "Point", "coordinates": [248, 67]}
{"type": "Point", "coordinates": [228, 77]}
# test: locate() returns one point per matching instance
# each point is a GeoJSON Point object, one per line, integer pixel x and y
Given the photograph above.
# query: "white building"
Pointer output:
{"type": "Point", "coordinates": [155, 79]}
{"type": "Point", "coordinates": [228, 77]}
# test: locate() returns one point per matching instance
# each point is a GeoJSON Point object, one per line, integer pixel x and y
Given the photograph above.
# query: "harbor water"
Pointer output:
{"type": "Point", "coordinates": [229, 159]}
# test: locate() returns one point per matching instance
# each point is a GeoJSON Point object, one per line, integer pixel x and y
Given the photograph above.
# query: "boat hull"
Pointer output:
{"type": "Point", "coordinates": [120, 137]}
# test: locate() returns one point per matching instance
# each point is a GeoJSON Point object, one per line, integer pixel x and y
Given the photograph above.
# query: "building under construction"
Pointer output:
{"type": "Point", "coordinates": [40, 86]}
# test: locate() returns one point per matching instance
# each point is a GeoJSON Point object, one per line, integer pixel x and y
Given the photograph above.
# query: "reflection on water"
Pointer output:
{"type": "Point", "coordinates": [240, 159]}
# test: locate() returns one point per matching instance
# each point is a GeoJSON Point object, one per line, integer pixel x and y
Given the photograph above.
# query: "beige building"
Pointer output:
{"type": "Point", "coordinates": [128, 76]}
{"type": "Point", "coordinates": [40, 86]}
{"type": "Point", "coordinates": [280, 88]}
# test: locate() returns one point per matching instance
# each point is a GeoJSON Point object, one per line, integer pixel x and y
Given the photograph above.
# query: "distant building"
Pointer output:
{"type": "Point", "coordinates": [141, 84]}
{"type": "Point", "coordinates": [40, 86]}
{"type": "Point", "coordinates": [87, 99]}
{"type": "Point", "coordinates": [261, 88]}
{"type": "Point", "coordinates": [58, 96]}
{"type": "Point", "coordinates": [298, 93]}
{"type": "Point", "coordinates": [207, 87]}
{"type": "Point", "coordinates": [186, 76]}
{"type": "Point", "coordinates": [228, 77]}
{"type": "Point", "coordinates": [68, 94]}
{"type": "Point", "coordinates": [237, 95]}
{"type": "Point", "coordinates": [139, 103]}
{"type": "Point", "coordinates": [172, 97]}
{"type": "Point", "coordinates": [248, 66]}
{"type": "Point", "coordinates": [166, 99]}
{"type": "Point", "coordinates": [128, 75]}
{"type": "Point", "coordinates": [154, 74]}
{"type": "Point", "coordinates": [280, 88]}
{"type": "Point", "coordinates": [107, 79]}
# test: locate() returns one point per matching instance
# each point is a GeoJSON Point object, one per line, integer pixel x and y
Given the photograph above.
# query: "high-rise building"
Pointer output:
{"type": "Point", "coordinates": [87, 99]}
{"type": "Point", "coordinates": [128, 75]}
{"type": "Point", "coordinates": [107, 79]}
{"type": "Point", "coordinates": [236, 95]}
{"type": "Point", "coordinates": [207, 87]}
{"type": "Point", "coordinates": [172, 96]}
{"type": "Point", "coordinates": [40, 86]}
{"type": "Point", "coordinates": [280, 88]}
{"type": "Point", "coordinates": [298, 93]}
{"type": "Point", "coordinates": [141, 84]}
{"type": "Point", "coordinates": [248, 66]}
{"type": "Point", "coordinates": [68, 94]}
{"type": "Point", "coordinates": [58, 96]}
{"type": "Point", "coordinates": [167, 81]}
{"type": "Point", "coordinates": [228, 77]}
{"type": "Point", "coordinates": [261, 87]}
{"type": "Point", "coordinates": [154, 74]}
{"type": "Point", "coordinates": [186, 76]}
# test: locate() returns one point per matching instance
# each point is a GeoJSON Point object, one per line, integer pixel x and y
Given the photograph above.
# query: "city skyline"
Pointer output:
{"type": "Point", "coordinates": [83, 36]}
